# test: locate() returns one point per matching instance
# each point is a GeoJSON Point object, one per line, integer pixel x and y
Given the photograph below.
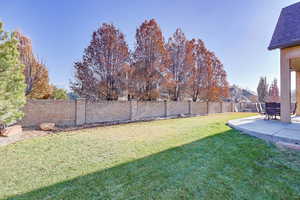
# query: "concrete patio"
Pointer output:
{"type": "Point", "coordinates": [270, 130]}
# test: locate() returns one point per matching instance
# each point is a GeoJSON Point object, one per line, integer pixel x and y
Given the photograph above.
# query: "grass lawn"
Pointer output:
{"type": "Point", "coordinates": [191, 158]}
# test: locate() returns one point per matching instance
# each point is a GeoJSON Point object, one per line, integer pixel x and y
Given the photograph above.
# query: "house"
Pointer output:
{"type": "Point", "coordinates": [286, 37]}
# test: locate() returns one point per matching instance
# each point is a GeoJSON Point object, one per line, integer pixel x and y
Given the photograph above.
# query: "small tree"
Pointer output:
{"type": "Point", "coordinates": [12, 85]}
{"type": "Point", "coordinates": [262, 89]}
{"type": "Point", "coordinates": [59, 93]}
{"type": "Point", "coordinates": [273, 92]}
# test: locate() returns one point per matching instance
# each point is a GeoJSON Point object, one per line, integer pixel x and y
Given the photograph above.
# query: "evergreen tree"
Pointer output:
{"type": "Point", "coordinates": [274, 92]}
{"type": "Point", "coordinates": [12, 85]}
{"type": "Point", "coordinates": [262, 90]}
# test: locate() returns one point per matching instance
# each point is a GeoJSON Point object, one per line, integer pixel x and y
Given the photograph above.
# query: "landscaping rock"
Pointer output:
{"type": "Point", "coordinates": [47, 126]}
{"type": "Point", "coordinates": [12, 130]}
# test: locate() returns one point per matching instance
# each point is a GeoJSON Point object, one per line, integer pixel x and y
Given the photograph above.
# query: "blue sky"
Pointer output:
{"type": "Point", "coordinates": [237, 31]}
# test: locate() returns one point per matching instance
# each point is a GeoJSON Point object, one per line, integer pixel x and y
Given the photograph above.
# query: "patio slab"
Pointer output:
{"type": "Point", "coordinates": [269, 130]}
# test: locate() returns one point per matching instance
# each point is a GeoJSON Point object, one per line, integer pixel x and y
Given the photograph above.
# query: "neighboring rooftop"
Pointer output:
{"type": "Point", "coordinates": [287, 31]}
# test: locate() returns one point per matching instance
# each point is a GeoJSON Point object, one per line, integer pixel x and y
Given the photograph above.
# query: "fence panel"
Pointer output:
{"type": "Point", "coordinates": [178, 107]}
{"type": "Point", "coordinates": [105, 111]}
{"type": "Point", "coordinates": [150, 109]}
{"type": "Point", "coordinates": [61, 112]}
{"type": "Point", "coordinates": [226, 107]}
{"type": "Point", "coordinates": [214, 107]}
{"type": "Point", "coordinates": [199, 108]}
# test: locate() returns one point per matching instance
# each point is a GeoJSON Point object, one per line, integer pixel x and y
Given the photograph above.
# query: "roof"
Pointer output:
{"type": "Point", "coordinates": [287, 31]}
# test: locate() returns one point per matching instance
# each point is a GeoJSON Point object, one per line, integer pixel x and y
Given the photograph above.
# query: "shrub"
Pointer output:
{"type": "Point", "coordinates": [12, 84]}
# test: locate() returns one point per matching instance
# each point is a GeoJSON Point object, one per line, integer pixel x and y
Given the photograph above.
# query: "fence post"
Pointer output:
{"type": "Point", "coordinates": [190, 107]}
{"type": "Point", "coordinates": [207, 107]}
{"type": "Point", "coordinates": [133, 110]}
{"type": "Point", "coordinates": [166, 108]}
{"type": "Point", "coordinates": [80, 111]}
{"type": "Point", "coordinates": [221, 106]}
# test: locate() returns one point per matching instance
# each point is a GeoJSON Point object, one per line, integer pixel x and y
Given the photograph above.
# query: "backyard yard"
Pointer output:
{"type": "Point", "coordinates": [188, 158]}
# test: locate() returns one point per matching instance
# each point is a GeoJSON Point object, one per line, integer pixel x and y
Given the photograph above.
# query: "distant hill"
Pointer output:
{"type": "Point", "coordinates": [238, 94]}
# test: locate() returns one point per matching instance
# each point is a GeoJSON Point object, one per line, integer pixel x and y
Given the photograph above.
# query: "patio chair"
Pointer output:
{"type": "Point", "coordinates": [272, 110]}
{"type": "Point", "coordinates": [260, 109]}
{"type": "Point", "coordinates": [293, 110]}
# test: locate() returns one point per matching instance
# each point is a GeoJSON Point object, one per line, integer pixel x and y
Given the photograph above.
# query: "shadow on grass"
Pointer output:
{"type": "Point", "coordinates": [224, 166]}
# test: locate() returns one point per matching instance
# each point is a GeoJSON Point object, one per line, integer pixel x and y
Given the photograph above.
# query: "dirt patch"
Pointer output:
{"type": "Point", "coordinates": [25, 134]}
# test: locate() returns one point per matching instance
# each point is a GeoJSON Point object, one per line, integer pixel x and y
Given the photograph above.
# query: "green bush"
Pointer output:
{"type": "Point", "coordinates": [12, 84]}
{"type": "Point", "coordinates": [59, 93]}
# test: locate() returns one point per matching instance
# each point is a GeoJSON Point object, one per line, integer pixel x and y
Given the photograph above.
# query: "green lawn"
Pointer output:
{"type": "Point", "coordinates": [191, 158]}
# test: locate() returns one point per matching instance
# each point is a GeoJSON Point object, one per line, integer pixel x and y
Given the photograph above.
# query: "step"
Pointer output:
{"type": "Point", "coordinates": [288, 145]}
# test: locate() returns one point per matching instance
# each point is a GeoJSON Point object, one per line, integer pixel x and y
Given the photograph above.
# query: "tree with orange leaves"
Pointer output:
{"type": "Point", "coordinates": [208, 81]}
{"type": "Point", "coordinates": [154, 70]}
{"type": "Point", "coordinates": [36, 74]}
{"type": "Point", "coordinates": [273, 92]}
{"type": "Point", "coordinates": [217, 82]}
{"type": "Point", "coordinates": [100, 73]}
{"type": "Point", "coordinates": [198, 78]}
{"type": "Point", "coordinates": [149, 62]}
{"type": "Point", "coordinates": [181, 63]}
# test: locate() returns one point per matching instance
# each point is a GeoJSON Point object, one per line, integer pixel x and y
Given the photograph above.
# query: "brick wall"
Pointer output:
{"type": "Point", "coordinates": [79, 112]}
